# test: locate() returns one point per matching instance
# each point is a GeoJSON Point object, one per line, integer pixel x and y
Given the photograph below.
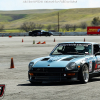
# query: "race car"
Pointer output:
{"type": "Point", "coordinates": [40, 33]}
{"type": "Point", "coordinates": [68, 61]}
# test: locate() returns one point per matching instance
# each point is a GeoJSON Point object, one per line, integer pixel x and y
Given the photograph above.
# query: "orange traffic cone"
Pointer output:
{"type": "Point", "coordinates": [22, 40]}
{"type": "Point", "coordinates": [39, 42]}
{"type": "Point", "coordinates": [84, 39]}
{"type": "Point", "coordinates": [12, 63]}
{"type": "Point", "coordinates": [54, 40]}
{"type": "Point", "coordinates": [43, 42]}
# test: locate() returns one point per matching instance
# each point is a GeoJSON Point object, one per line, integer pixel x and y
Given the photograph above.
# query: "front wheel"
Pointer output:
{"type": "Point", "coordinates": [84, 74]}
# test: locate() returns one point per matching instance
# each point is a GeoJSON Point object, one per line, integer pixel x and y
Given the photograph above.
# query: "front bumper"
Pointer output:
{"type": "Point", "coordinates": [52, 76]}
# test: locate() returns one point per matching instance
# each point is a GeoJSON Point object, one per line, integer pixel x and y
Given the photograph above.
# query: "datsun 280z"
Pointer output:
{"type": "Point", "coordinates": [68, 61]}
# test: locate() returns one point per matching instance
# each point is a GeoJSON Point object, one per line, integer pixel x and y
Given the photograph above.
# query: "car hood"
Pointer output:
{"type": "Point", "coordinates": [57, 61]}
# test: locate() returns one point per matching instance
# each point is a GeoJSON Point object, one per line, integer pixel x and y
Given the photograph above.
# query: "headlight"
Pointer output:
{"type": "Point", "coordinates": [71, 66]}
{"type": "Point", "coordinates": [30, 65]}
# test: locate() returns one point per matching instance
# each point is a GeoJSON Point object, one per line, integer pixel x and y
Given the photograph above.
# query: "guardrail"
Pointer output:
{"type": "Point", "coordinates": [14, 34]}
{"type": "Point", "coordinates": [54, 34]}
{"type": "Point", "coordinates": [69, 33]}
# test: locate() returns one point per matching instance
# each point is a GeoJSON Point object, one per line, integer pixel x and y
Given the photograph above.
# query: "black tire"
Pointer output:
{"type": "Point", "coordinates": [84, 74]}
{"type": "Point", "coordinates": [48, 34]}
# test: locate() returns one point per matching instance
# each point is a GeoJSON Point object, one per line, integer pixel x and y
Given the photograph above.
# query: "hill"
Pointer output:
{"type": "Point", "coordinates": [29, 11]}
{"type": "Point", "coordinates": [14, 19]}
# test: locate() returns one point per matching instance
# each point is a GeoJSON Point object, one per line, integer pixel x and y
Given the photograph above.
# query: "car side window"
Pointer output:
{"type": "Point", "coordinates": [96, 48]}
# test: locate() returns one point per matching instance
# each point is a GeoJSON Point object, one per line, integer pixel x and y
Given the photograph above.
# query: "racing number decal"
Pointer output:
{"type": "Point", "coordinates": [97, 64]}
{"type": "Point", "coordinates": [97, 67]}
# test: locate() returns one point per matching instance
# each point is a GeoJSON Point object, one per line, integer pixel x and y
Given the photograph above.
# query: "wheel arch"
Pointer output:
{"type": "Point", "coordinates": [87, 65]}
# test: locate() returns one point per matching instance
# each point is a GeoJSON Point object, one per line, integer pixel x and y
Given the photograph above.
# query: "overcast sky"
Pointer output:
{"type": "Point", "coordinates": [47, 4]}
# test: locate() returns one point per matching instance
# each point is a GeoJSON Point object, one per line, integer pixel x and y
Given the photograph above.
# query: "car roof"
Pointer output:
{"type": "Point", "coordinates": [37, 30]}
{"type": "Point", "coordinates": [80, 42]}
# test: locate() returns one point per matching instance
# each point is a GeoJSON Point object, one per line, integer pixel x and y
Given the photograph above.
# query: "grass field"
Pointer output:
{"type": "Point", "coordinates": [60, 30]}
{"type": "Point", "coordinates": [14, 19]}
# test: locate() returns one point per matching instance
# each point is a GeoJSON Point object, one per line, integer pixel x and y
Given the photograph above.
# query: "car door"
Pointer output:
{"type": "Point", "coordinates": [97, 58]}
{"type": "Point", "coordinates": [38, 33]}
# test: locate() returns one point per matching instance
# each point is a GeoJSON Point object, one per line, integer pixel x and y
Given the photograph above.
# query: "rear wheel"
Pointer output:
{"type": "Point", "coordinates": [84, 74]}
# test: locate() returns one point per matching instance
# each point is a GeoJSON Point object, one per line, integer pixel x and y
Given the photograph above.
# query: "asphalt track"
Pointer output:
{"type": "Point", "coordinates": [16, 79]}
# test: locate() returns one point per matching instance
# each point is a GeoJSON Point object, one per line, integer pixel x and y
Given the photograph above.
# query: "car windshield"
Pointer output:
{"type": "Point", "coordinates": [73, 49]}
{"type": "Point", "coordinates": [42, 31]}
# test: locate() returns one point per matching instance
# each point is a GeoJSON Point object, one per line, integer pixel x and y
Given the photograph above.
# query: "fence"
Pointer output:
{"type": "Point", "coordinates": [54, 34]}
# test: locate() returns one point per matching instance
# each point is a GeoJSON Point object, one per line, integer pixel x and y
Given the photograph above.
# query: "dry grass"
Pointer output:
{"type": "Point", "coordinates": [46, 17]}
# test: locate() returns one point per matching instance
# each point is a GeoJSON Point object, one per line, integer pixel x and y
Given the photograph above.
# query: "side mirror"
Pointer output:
{"type": "Point", "coordinates": [98, 53]}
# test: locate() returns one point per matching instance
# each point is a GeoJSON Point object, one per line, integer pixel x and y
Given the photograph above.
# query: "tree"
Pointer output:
{"type": "Point", "coordinates": [39, 26]}
{"type": "Point", "coordinates": [32, 26]}
{"type": "Point", "coordinates": [67, 27]}
{"type": "Point", "coordinates": [96, 21]}
{"type": "Point", "coordinates": [48, 27]}
{"type": "Point", "coordinates": [1, 28]}
{"type": "Point", "coordinates": [83, 25]}
{"type": "Point", "coordinates": [28, 26]}
{"type": "Point", "coordinates": [74, 27]}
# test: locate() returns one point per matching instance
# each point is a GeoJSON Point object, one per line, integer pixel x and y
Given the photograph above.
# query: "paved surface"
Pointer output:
{"type": "Point", "coordinates": [16, 80]}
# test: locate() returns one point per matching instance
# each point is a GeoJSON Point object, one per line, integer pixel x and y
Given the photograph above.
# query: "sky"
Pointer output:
{"type": "Point", "coordinates": [6, 5]}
